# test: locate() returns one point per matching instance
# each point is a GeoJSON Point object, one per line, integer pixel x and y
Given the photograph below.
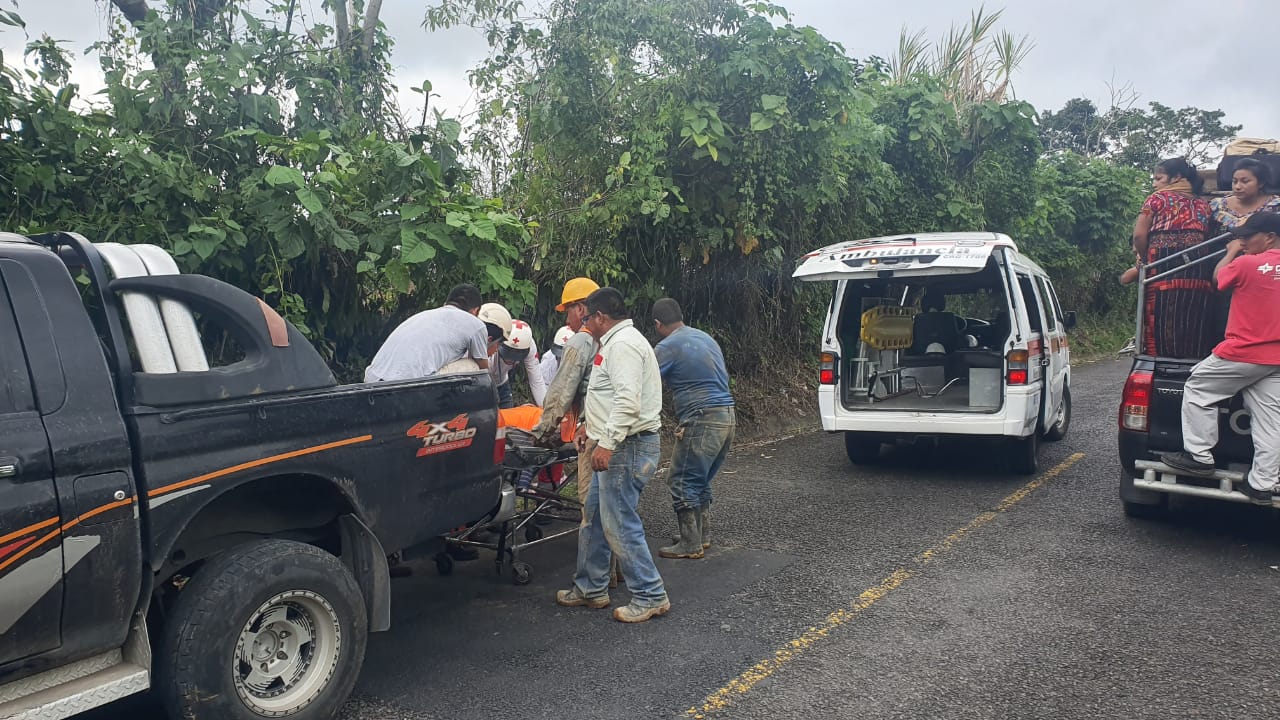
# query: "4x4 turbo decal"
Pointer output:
{"type": "Point", "coordinates": [443, 437]}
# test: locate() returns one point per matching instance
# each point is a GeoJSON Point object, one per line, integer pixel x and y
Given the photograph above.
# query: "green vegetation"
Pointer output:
{"type": "Point", "coordinates": [692, 149]}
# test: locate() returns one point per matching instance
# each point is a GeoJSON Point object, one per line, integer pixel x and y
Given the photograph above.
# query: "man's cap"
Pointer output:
{"type": "Point", "coordinates": [1259, 222]}
{"type": "Point", "coordinates": [576, 290]}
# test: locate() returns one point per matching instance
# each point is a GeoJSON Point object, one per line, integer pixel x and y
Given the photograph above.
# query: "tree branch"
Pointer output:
{"type": "Point", "coordinates": [135, 11]}
{"type": "Point", "coordinates": [370, 26]}
{"type": "Point", "coordinates": [340, 24]}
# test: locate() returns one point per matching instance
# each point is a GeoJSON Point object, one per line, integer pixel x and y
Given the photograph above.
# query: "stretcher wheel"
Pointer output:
{"type": "Point", "coordinates": [533, 533]}
{"type": "Point", "coordinates": [521, 572]}
{"type": "Point", "coordinates": [444, 564]}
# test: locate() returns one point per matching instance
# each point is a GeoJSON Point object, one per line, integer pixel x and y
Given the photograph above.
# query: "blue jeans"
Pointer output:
{"type": "Point", "coordinates": [613, 525]}
{"type": "Point", "coordinates": [506, 400]}
{"type": "Point", "coordinates": [702, 444]}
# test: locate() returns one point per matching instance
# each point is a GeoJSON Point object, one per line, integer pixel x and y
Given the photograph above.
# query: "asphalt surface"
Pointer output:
{"type": "Point", "coordinates": [931, 585]}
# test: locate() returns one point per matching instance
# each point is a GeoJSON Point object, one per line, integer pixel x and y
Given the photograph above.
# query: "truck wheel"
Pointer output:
{"type": "Point", "coordinates": [1063, 423]}
{"type": "Point", "coordinates": [267, 629]}
{"type": "Point", "coordinates": [862, 449]}
{"type": "Point", "coordinates": [1143, 511]}
{"type": "Point", "coordinates": [1024, 454]}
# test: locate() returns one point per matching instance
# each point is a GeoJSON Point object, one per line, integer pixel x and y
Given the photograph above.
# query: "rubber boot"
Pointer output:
{"type": "Point", "coordinates": [704, 524]}
{"type": "Point", "coordinates": [690, 545]}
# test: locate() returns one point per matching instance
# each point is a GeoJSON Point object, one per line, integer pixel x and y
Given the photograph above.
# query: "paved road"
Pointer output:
{"type": "Point", "coordinates": [930, 586]}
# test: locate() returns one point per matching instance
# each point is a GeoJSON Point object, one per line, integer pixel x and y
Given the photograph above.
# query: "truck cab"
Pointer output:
{"type": "Point", "coordinates": [214, 528]}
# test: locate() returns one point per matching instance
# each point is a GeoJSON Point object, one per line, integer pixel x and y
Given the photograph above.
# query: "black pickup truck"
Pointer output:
{"type": "Point", "coordinates": [1150, 418]}
{"type": "Point", "coordinates": [219, 534]}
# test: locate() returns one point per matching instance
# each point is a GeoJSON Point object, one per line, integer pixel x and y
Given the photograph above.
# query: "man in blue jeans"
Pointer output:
{"type": "Point", "coordinates": [623, 407]}
{"type": "Point", "coordinates": [692, 365]}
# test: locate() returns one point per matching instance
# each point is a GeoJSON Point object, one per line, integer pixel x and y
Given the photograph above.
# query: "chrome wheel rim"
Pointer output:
{"type": "Point", "coordinates": [287, 653]}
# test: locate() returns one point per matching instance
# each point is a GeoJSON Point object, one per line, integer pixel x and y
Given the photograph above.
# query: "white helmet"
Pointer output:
{"type": "Point", "coordinates": [521, 337]}
{"type": "Point", "coordinates": [495, 314]}
{"type": "Point", "coordinates": [563, 335]}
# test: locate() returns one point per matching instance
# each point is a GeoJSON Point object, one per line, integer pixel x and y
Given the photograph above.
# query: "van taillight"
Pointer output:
{"type": "Point", "coordinates": [827, 369]}
{"type": "Point", "coordinates": [1135, 405]}
{"type": "Point", "coordinates": [1017, 362]}
{"type": "Point", "coordinates": [500, 446]}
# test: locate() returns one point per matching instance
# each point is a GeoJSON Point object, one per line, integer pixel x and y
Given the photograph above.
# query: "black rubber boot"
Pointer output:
{"type": "Point", "coordinates": [690, 544]}
{"type": "Point", "coordinates": [704, 524]}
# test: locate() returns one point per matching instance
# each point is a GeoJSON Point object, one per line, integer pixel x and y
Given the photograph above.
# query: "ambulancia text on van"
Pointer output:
{"type": "Point", "coordinates": [941, 334]}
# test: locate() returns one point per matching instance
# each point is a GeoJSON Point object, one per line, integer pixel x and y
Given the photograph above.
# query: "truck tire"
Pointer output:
{"type": "Point", "coordinates": [267, 629]}
{"type": "Point", "coordinates": [1060, 426]}
{"type": "Point", "coordinates": [1024, 454]}
{"type": "Point", "coordinates": [1143, 511]}
{"type": "Point", "coordinates": [862, 448]}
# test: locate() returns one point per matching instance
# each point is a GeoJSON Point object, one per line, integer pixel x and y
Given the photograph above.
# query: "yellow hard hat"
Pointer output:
{"type": "Point", "coordinates": [576, 290]}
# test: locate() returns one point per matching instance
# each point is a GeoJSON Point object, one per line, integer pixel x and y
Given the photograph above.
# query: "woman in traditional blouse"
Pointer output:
{"type": "Point", "coordinates": [1250, 193]}
{"type": "Point", "coordinates": [1173, 218]}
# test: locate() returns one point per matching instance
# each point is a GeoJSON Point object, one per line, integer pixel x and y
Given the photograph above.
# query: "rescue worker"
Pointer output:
{"type": "Point", "coordinates": [563, 401]}
{"type": "Point", "coordinates": [551, 358]}
{"type": "Point", "coordinates": [517, 350]}
{"type": "Point", "coordinates": [1247, 361]}
{"type": "Point", "coordinates": [623, 408]}
{"type": "Point", "coordinates": [693, 369]}
{"type": "Point", "coordinates": [450, 338]}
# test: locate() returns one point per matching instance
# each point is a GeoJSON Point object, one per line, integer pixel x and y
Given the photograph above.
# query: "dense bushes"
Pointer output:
{"type": "Point", "coordinates": [669, 148]}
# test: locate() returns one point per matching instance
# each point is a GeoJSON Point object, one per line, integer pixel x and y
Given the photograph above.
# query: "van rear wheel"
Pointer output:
{"type": "Point", "coordinates": [1060, 426]}
{"type": "Point", "coordinates": [862, 448]}
{"type": "Point", "coordinates": [1024, 454]}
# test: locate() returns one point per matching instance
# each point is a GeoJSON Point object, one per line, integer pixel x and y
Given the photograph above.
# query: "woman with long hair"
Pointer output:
{"type": "Point", "coordinates": [1251, 192]}
{"type": "Point", "coordinates": [1178, 321]}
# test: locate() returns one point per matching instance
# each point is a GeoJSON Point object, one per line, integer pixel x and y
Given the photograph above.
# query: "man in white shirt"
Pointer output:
{"type": "Point", "coordinates": [433, 339]}
{"type": "Point", "coordinates": [623, 405]}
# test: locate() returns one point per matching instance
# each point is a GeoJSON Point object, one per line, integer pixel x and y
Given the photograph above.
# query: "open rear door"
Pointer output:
{"type": "Point", "coordinates": [902, 255]}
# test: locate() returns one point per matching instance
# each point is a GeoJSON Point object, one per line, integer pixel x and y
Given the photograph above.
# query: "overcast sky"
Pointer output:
{"type": "Point", "coordinates": [1176, 52]}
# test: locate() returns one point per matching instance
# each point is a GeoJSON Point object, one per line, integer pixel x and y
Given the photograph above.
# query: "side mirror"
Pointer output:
{"type": "Point", "coordinates": [1069, 319]}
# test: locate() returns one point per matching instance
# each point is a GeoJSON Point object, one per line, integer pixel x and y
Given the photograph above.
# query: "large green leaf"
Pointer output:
{"type": "Point", "coordinates": [284, 175]}
{"type": "Point", "coordinates": [309, 200]}
{"type": "Point", "coordinates": [413, 249]}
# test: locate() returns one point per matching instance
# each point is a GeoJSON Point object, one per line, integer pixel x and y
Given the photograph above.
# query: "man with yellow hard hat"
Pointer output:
{"type": "Point", "coordinates": [562, 406]}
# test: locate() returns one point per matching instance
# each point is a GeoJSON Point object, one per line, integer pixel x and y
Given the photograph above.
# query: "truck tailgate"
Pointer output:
{"type": "Point", "coordinates": [1234, 443]}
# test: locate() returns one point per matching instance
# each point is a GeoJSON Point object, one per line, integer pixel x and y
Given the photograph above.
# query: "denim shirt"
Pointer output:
{"type": "Point", "coordinates": [692, 365]}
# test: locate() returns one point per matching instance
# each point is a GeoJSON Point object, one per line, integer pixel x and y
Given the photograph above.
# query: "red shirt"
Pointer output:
{"type": "Point", "coordinates": [1253, 328]}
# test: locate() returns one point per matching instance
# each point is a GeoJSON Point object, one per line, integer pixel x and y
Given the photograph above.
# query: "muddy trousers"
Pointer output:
{"type": "Point", "coordinates": [614, 527]}
{"type": "Point", "coordinates": [1215, 380]}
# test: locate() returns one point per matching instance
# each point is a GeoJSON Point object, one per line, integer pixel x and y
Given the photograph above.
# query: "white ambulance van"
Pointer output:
{"type": "Point", "coordinates": [941, 335]}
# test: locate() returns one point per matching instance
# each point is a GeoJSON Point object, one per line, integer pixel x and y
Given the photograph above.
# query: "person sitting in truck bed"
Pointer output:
{"type": "Point", "coordinates": [1249, 194]}
{"type": "Point", "coordinates": [1177, 321]}
{"type": "Point", "coordinates": [433, 339]}
{"type": "Point", "coordinates": [1247, 361]}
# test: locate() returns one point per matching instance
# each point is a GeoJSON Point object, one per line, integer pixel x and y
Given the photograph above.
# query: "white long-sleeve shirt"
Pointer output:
{"type": "Point", "coordinates": [500, 371]}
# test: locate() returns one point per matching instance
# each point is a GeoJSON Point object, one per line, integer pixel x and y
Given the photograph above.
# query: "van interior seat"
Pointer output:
{"type": "Point", "coordinates": [934, 335]}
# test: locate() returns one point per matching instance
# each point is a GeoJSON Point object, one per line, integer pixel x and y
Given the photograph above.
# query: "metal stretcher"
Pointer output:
{"type": "Point", "coordinates": [538, 476]}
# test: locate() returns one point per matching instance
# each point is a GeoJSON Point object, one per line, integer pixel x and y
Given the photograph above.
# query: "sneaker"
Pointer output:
{"type": "Point", "coordinates": [573, 597]}
{"type": "Point", "coordinates": [632, 613]}
{"type": "Point", "coordinates": [1184, 463]}
{"type": "Point", "coordinates": [1259, 497]}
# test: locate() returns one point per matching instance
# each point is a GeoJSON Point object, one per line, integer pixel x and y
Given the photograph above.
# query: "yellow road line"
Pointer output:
{"type": "Point", "coordinates": [744, 683]}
